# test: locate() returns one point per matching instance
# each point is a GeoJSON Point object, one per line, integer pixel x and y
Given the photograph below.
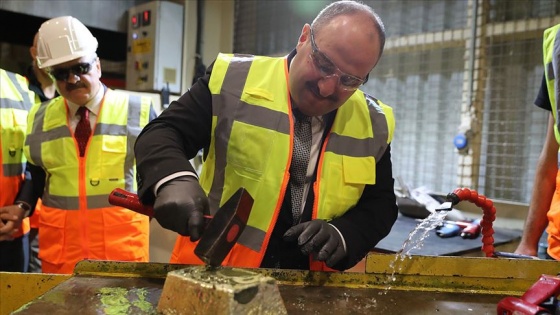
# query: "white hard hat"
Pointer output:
{"type": "Point", "coordinates": [63, 39]}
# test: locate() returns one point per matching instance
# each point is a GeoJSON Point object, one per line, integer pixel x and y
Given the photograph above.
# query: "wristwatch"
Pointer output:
{"type": "Point", "coordinates": [26, 208]}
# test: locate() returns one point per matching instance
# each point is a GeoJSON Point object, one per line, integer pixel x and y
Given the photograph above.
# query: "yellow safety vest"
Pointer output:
{"type": "Point", "coordinates": [15, 101]}
{"type": "Point", "coordinates": [551, 59]}
{"type": "Point", "coordinates": [251, 146]}
{"type": "Point", "coordinates": [77, 222]}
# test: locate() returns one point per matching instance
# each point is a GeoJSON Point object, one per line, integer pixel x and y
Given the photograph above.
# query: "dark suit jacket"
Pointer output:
{"type": "Point", "coordinates": [167, 143]}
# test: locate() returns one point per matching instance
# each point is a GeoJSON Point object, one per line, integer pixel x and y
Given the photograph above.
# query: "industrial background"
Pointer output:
{"type": "Point", "coordinates": [450, 67]}
{"type": "Point", "coordinates": [461, 76]}
{"type": "Point", "coordinates": [458, 73]}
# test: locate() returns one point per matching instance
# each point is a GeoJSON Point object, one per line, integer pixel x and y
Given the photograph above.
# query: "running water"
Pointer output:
{"type": "Point", "coordinates": [415, 240]}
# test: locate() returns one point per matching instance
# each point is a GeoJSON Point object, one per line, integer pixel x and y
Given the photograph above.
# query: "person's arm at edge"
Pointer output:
{"type": "Point", "coordinates": [13, 214]}
{"type": "Point", "coordinates": [372, 218]}
{"type": "Point", "coordinates": [541, 196]}
{"type": "Point", "coordinates": [32, 187]}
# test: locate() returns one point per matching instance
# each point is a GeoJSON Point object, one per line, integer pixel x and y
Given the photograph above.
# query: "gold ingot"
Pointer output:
{"type": "Point", "coordinates": [206, 290]}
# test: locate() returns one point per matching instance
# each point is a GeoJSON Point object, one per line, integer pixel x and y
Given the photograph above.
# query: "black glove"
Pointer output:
{"type": "Point", "coordinates": [180, 206]}
{"type": "Point", "coordinates": [319, 238]}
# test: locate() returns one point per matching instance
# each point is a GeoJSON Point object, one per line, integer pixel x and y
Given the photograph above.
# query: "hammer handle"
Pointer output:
{"type": "Point", "coordinates": [122, 198]}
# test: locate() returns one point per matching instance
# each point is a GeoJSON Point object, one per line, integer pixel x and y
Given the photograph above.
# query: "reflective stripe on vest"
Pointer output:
{"type": "Point", "coordinates": [251, 145]}
{"type": "Point", "coordinates": [109, 162]}
{"type": "Point", "coordinates": [15, 102]}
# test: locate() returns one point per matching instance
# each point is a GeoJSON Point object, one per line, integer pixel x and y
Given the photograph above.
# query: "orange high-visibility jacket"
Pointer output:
{"type": "Point", "coordinates": [15, 101]}
{"type": "Point", "coordinates": [77, 222]}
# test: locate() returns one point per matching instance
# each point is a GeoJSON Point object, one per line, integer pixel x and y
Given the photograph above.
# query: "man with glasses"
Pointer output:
{"type": "Point", "coordinates": [297, 134]}
{"type": "Point", "coordinates": [79, 148]}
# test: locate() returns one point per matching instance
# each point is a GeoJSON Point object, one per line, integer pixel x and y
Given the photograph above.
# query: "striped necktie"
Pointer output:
{"type": "Point", "coordinates": [300, 161]}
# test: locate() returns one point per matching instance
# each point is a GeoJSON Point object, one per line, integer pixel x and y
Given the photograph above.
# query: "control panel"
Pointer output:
{"type": "Point", "coordinates": [155, 47]}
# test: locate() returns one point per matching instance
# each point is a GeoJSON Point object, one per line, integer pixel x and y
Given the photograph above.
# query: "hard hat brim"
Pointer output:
{"type": "Point", "coordinates": [57, 61]}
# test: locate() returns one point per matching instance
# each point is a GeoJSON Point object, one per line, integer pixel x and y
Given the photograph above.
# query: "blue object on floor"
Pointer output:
{"type": "Point", "coordinates": [448, 230]}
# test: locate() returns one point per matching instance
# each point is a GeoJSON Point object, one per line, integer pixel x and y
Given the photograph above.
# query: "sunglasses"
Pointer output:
{"type": "Point", "coordinates": [61, 74]}
{"type": "Point", "coordinates": [328, 69]}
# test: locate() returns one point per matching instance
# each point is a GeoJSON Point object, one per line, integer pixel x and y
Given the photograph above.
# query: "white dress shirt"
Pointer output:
{"type": "Point", "coordinates": [92, 105]}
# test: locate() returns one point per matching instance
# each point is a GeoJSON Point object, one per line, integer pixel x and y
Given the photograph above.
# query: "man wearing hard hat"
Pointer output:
{"type": "Point", "coordinates": [79, 147]}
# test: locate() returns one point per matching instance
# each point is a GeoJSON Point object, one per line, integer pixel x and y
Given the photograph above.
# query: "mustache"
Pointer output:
{"type": "Point", "coordinates": [314, 88]}
{"type": "Point", "coordinates": [74, 86]}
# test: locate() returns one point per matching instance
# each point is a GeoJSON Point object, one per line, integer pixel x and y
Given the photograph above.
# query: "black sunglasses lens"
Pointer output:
{"type": "Point", "coordinates": [61, 74]}
{"type": "Point", "coordinates": [81, 68]}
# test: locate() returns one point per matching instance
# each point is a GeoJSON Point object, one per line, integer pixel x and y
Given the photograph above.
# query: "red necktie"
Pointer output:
{"type": "Point", "coordinates": [83, 129]}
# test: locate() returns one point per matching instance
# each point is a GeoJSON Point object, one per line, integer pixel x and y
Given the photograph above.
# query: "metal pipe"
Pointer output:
{"type": "Point", "coordinates": [472, 49]}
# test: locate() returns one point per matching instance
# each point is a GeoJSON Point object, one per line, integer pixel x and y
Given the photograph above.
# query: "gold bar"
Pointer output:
{"type": "Point", "coordinates": [206, 290]}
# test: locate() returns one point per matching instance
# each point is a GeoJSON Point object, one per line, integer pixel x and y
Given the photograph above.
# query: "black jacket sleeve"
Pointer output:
{"type": "Point", "coordinates": [33, 186]}
{"type": "Point", "coordinates": [372, 218]}
{"type": "Point", "coordinates": [167, 143]}
{"type": "Point", "coordinates": [542, 100]}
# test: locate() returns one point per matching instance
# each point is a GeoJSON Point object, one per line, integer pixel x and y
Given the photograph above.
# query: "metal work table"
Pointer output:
{"type": "Point", "coordinates": [421, 285]}
{"type": "Point", "coordinates": [434, 245]}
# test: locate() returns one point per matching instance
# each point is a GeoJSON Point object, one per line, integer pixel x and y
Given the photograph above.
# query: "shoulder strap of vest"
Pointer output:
{"type": "Point", "coordinates": [550, 37]}
{"type": "Point", "coordinates": [27, 102]}
{"type": "Point", "coordinates": [134, 105]}
{"type": "Point", "coordinates": [133, 102]}
{"type": "Point", "coordinates": [382, 119]}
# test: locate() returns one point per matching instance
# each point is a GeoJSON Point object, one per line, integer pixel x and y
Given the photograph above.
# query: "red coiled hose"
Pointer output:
{"type": "Point", "coordinates": [489, 215]}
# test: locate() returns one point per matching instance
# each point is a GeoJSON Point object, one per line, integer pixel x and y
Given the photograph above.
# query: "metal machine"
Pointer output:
{"type": "Point", "coordinates": [155, 47]}
{"type": "Point", "coordinates": [418, 285]}
{"type": "Point", "coordinates": [389, 285]}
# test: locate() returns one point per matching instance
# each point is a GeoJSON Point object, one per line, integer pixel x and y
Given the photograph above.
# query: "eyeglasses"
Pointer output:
{"type": "Point", "coordinates": [328, 69]}
{"type": "Point", "coordinates": [61, 74]}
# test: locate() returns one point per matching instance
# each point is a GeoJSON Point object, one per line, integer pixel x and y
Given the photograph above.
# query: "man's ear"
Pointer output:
{"type": "Point", "coordinates": [304, 36]}
{"type": "Point", "coordinates": [33, 52]}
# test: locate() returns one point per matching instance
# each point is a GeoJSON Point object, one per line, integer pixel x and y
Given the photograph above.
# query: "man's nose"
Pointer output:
{"type": "Point", "coordinates": [72, 78]}
{"type": "Point", "coordinates": [328, 85]}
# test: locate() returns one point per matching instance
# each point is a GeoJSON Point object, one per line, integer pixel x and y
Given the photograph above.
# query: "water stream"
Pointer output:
{"type": "Point", "coordinates": [414, 241]}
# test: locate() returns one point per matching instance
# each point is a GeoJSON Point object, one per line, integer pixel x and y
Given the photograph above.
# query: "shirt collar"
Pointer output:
{"type": "Point", "coordinates": [92, 105]}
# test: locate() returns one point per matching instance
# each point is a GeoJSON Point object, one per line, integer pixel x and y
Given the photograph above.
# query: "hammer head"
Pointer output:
{"type": "Point", "coordinates": [224, 229]}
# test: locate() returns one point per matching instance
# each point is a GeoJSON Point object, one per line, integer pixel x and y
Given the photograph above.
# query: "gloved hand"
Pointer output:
{"type": "Point", "coordinates": [318, 238]}
{"type": "Point", "coordinates": [180, 206]}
